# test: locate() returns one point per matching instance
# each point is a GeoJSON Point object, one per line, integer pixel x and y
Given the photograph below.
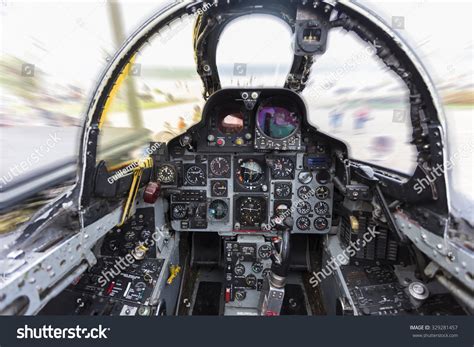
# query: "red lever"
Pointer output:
{"type": "Point", "coordinates": [152, 192]}
{"type": "Point", "coordinates": [110, 288]}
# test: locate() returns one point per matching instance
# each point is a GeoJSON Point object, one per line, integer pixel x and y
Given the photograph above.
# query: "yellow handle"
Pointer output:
{"type": "Point", "coordinates": [174, 271]}
{"type": "Point", "coordinates": [132, 194]}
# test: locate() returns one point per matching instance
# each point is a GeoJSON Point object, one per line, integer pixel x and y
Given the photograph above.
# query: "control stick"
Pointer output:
{"type": "Point", "coordinates": [273, 289]}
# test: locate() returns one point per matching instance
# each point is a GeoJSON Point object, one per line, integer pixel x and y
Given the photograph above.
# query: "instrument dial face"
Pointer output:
{"type": "Point", "coordinates": [303, 223]}
{"type": "Point", "coordinates": [304, 192]}
{"type": "Point", "coordinates": [130, 235]}
{"type": "Point", "coordinates": [257, 267]}
{"type": "Point", "coordinates": [239, 269]}
{"type": "Point", "coordinates": [323, 177]}
{"type": "Point", "coordinates": [305, 177]}
{"type": "Point", "coordinates": [322, 192]}
{"type": "Point", "coordinates": [220, 167]}
{"type": "Point", "coordinates": [265, 273]}
{"type": "Point", "coordinates": [321, 208]}
{"type": "Point", "coordinates": [195, 175]}
{"type": "Point", "coordinates": [265, 251]}
{"type": "Point", "coordinates": [240, 295]}
{"type": "Point", "coordinates": [219, 188]}
{"type": "Point", "coordinates": [303, 207]}
{"type": "Point", "coordinates": [179, 211]}
{"type": "Point", "coordinates": [250, 172]}
{"type": "Point", "coordinates": [140, 286]}
{"type": "Point", "coordinates": [166, 174]}
{"type": "Point", "coordinates": [282, 190]}
{"type": "Point", "coordinates": [149, 267]}
{"type": "Point", "coordinates": [218, 209]}
{"type": "Point", "coordinates": [252, 211]}
{"type": "Point", "coordinates": [320, 223]}
{"type": "Point", "coordinates": [282, 210]}
{"type": "Point", "coordinates": [282, 168]}
{"type": "Point", "coordinates": [251, 280]}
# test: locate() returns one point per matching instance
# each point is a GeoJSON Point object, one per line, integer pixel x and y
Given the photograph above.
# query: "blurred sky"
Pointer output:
{"type": "Point", "coordinates": [70, 40]}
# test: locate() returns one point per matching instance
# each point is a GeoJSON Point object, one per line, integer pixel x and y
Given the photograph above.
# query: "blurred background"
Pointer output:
{"type": "Point", "coordinates": [52, 54]}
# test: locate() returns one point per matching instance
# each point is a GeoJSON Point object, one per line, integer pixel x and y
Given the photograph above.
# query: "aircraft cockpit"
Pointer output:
{"type": "Point", "coordinates": [251, 209]}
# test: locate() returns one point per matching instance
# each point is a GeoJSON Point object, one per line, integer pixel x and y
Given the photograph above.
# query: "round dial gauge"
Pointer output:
{"type": "Point", "coordinates": [251, 280]}
{"type": "Point", "coordinates": [239, 269]}
{"type": "Point", "coordinates": [281, 210]}
{"type": "Point", "coordinates": [303, 223]}
{"type": "Point", "coordinates": [320, 223]}
{"type": "Point", "coordinates": [321, 208]}
{"type": "Point", "coordinates": [265, 251]}
{"type": "Point", "coordinates": [282, 190]}
{"type": "Point", "coordinates": [179, 211]}
{"type": "Point", "coordinates": [195, 175]}
{"type": "Point", "coordinates": [140, 286]}
{"type": "Point", "coordinates": [257, 267]}
{"type": "Point", "coordinates": [149, 267]}
{"type": "Point", "coordinates": [129, 235]}
{"type": "Point", "coordinates": [220, 167]}
{"type": "Point", "coordinates": [251, 211]}
{"type": "Point", "coordinates": [250, 172]}
{"type": "Point", "coordinates": [218, 209]}
{"type": "Point", "coordinates": [322, 192]}
{"type": "Point", "coordinates": [304, 192]}
{"type": "Point", "coordinates": [323, 177]}
{"type": "Point", "coordinates": [305, 177]}
{"type": "Point", "coordinates": [166, 174]}
{"type": "Point", "coordinates": [282, 168]}
{"type": "Point", "coordinates": [219, 188]}
{"type": "Point", "coordinates": [303, 207]}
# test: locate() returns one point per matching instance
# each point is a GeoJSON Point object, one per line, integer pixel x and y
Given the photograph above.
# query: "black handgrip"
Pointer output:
{"type": "Point", "coordinates": [281, 268]}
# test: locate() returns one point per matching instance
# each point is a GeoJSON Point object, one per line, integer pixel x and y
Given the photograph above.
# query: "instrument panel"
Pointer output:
{"type": "Point", "coordinates": [253, 164]}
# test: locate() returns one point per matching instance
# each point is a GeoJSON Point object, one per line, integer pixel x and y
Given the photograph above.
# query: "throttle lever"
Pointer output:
{"type": "Point", "coordinates": [281, 257]}
{"type": "Point", "coordinates": [273, 289]}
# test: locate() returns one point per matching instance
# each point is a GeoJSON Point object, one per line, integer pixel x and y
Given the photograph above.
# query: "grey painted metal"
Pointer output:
{"type": "Point", "coordinates": [55, 267]}
{"type": "Point", "coordinates": [455, 260]}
